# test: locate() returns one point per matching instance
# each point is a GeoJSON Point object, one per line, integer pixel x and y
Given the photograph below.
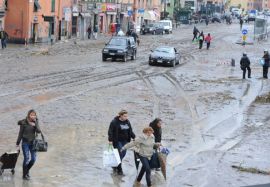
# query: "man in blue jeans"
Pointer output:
{"type": "Point", "coordinates": [119, 134]}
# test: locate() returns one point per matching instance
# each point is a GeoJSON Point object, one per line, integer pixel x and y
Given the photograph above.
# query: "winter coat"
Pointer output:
{"type": "Point", "coordinates": [143, 145]}
{"type": "Point", "coordinates": [208, 39]}
{"type": "Point", "coordinates": [115, 129]}
{"type": "Point", "coordinates": [244, 62]}
{"type": "Point", "coordinates": [266, 58]}
{"type": "Point", "coordinates": [157, 132]}
{"type": "Point", "coordinates": [27, 131]}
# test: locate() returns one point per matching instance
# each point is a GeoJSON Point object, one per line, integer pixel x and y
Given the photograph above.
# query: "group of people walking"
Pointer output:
{"type": "Point", "coordinates": [122, 137]}
{"type": "Point", "coordinates": [91, 31]}
{"type": "Point", "coordinates": [199, 36]}
{"type": "Point", "coordinates": [245, 64]}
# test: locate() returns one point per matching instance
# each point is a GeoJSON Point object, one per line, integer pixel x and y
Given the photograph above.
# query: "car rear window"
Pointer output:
{"type": "Point", "coordinates": [118, 41]}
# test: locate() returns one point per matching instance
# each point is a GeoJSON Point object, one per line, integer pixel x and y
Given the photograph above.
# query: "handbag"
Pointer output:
{"type": "Point", "coordinates": [262, 62]}
{"type": "Point", "coordinates": [111, 157]}
{"type": "Point", "coordinates": [40, 145]}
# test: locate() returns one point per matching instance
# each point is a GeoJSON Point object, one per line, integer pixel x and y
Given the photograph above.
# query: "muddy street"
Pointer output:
{"type": "Point", "coordinates": [213, 118]}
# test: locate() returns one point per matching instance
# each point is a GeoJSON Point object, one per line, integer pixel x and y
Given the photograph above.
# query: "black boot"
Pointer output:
{"type": "Point", "coordinates": [25, 171]}
{"type": "Point", "coordinates": [120, 170]}
{"type": "Point", "coordinates": [29, 166]}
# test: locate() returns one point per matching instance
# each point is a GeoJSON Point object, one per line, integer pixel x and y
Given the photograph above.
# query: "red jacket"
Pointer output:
{"type": "Point", "coordinates": [208, 39]}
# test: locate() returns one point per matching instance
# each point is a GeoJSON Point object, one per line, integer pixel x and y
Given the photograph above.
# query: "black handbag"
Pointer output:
{"type": "Point", "coordinates": [40, 145]}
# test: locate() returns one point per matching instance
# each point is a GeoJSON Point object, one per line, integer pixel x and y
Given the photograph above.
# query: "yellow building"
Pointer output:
{"type": "Point", "coordinates": [243, 3]}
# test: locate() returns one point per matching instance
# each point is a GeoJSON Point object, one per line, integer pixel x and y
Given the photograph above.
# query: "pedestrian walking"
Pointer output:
{"type": "Point", "coordinates": [245, 65]}
{"type": "Point", "coordinates": [195, 33]}
{"type": "Point", "coordinates": [241, 23]}
{"type": "Point", "coordinates": [266, 58]}
{"type": "Point", "coordinates": [201, 39]}
{"type": "Point", "coordinates": [208, 39]}
{"type": "Point", "coordinates": [206, 20]}
{"type": "Point", "coordinates": [119, 134]}
{"type": "Point", "coordinates": [95, 31]}
{"type": "Point", "coordinates": [156, 126]}
{"type": "Point", "coordinates": [28, 129]}
{"type": "Point", "coordinates": [144, 145]}
{"type": "Point", "coordinates": [4, 38]}
{"type": "Point", "coordinates": [134, 35]}
{"type": "Point", "coordinates": [89, 31]}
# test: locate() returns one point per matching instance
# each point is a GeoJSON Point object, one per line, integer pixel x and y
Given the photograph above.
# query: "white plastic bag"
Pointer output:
{"type": "Point", "coordinates": [111, 157]}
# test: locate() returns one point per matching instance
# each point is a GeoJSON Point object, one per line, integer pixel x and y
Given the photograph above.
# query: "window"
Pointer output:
{"type": "Point", "coordinates": [53, 5]}
{"type": "Point", "coordinates": [36, 6]}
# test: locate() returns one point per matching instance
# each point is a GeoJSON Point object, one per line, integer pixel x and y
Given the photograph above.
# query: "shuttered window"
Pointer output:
{"type": "Point", "coordinates": [53, 5]}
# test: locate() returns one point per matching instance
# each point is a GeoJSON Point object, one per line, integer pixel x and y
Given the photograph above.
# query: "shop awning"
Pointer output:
{"type": "Point", "coordinates": [37, 5]}
{"type": "Point", "coordinates": [111, 13]}
{"type": "Point", "coordinates": [85, 14]}
{"type": "Point", "coordinates": [75, 14]}
{"type": "Point", "coordinates": [149, 15]}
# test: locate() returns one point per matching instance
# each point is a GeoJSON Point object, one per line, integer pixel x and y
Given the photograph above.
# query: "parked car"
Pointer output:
{"type": "Point", "coordinates": [216, 19]}
{"type": "Point", "coordinates": [164, 55]}
{"type": "Point", "coordinates": [120, 47]}
{"type": "Point", "coordinates": [158, 29]}
{"type": "Point", "coordinates": [167, 24]}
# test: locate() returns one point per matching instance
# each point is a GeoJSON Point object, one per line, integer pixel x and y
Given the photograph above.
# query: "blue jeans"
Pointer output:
{"type": "Point", "coordinates": [119, 147]}
{"type": "Point", "coordinates": [145, 169]}
{"type": "Point", "coordinates": [4, 43]}
{"type": "Point", "coordinates": [122, 154]}
{"type": "Point", "coordinates": [27, 149]}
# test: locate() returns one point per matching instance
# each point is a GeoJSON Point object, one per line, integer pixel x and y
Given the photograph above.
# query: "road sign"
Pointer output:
{"type": "Point", "coordinates": [244, 31]}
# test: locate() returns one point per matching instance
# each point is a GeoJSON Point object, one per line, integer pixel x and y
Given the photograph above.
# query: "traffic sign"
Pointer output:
{"type": "Point", "coordinates": [244, 31]}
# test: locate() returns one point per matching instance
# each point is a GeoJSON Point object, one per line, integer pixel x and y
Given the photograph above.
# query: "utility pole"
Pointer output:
{"type": "Point", "coordinates": [165, 7]}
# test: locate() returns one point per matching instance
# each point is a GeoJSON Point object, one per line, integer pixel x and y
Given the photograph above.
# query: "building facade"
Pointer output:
{"type": "Point", "coordinates": [38, 20]}
{"type": "Point", "coordinates": [2, 13]}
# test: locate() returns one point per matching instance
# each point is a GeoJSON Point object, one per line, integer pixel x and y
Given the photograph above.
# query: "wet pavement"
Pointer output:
{"type": "Point", "coordinates": [211, 119]}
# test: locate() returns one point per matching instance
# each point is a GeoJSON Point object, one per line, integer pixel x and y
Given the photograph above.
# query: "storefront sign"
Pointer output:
{"type": "Point", "coordinates": [75, 8]}
{"type": "Point", "coordinates": [98, 7]}
{"type": "Point", "coordinates": [140, 11]}
{"type": "Point", "coordinates": [111, 7]}
{"type": "Point", "coordinates": [90, 6]}
{"type": "Point", "coordinates": [35, 19]}
{"type": "Point", "coordinates": [103, 7]}
{"type": "Point", "coordinates": [67, 14]}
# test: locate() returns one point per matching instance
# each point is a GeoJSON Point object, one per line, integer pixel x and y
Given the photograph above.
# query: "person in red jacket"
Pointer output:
{"type": "Point", "coordinates": [208, 39]}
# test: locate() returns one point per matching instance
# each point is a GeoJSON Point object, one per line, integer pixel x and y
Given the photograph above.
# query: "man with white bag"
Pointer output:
{"type": "Point", "coordinates": [119, 134]}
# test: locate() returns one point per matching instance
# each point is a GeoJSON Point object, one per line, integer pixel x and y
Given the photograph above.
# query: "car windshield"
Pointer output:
{"type": "Point", "coordinates": [165, 23]}
{"type": "Point", "coordinates": [118, 42]}
{"type": "Point", "coordinates": [151, 25]}
{"type": "Point", "coordinates": [164, 50]}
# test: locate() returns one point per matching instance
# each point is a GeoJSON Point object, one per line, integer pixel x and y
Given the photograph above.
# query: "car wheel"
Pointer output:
{"type": "Point", "coordinates": [133, 57]}
{"type": "Point", "coordinates": [173, 63]}
{"type": "Point", "coordinates": [150, 63]}
{"type": "Point", "coordinates": [104, 58]}
{"type": "Point", "coordinates": [125, 58]}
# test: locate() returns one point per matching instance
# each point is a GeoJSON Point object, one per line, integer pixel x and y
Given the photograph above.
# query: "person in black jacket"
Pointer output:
{"type": "Point", "coordinates": [28, 129]}
{"type": "Point", "coordinates": [156, 126]}
{"type": "Point", "coordinates": [201, 40]}
{"type": "Point", "coordinates": [119, 134]}
{"type": "Point", "coordinates": [266, 58]}
{"type": "Point", "coordinates": [195, 33]}
{"type": "Point", "coordinates": [245, 65]}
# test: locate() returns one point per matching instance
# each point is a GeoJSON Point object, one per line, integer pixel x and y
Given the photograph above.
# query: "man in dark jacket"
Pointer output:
{"type": "Point", "coordinates": [119, 134]}
{"type": "Point", "coordinates": [266, 58]}
{"type": "Point", "coordinates": [156, 126]}
{"type": "Point", "coordinates": [195, 33]}
{"type": "Point", "coordinates": [245, 65]}
{"type": "Point", "coordinates": [3, 37]}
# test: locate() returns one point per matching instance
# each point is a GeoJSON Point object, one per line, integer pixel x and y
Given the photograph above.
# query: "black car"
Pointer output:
{"type": "Point", "coordinates": [120, 47]}
{"type": "Point", "coordinates": [147, 28]}
{"type": "Point", "coordinates": [153, 28]}
{"type": "Point", "coordinates": [158, 29]}
{"type": "Point", "coordinates": [164, 55]}
{"type": "Point", "coordinates": [216, 19]}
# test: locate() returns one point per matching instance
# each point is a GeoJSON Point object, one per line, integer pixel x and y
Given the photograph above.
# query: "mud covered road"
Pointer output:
{"type": "Point", "coordinates": [212, 120]}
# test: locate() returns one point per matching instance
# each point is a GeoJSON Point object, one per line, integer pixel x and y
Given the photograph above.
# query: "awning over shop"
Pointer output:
{"type": "Point", "coordinates": [111, 13]}
{"type": "Point", "coordinates": [37, 5]}
{"type": "Point", "coordinates": [85, 14]}
{"type": "Point", "coordinates": [149, 15]}
{"type": "Point", "coordinates": [2, 13]}
{"type": "Point", "coordinates": [75, 14]}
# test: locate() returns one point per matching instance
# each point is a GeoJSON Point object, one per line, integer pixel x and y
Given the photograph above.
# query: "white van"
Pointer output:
{"type": "Point", "coordinates": [167, 24]}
